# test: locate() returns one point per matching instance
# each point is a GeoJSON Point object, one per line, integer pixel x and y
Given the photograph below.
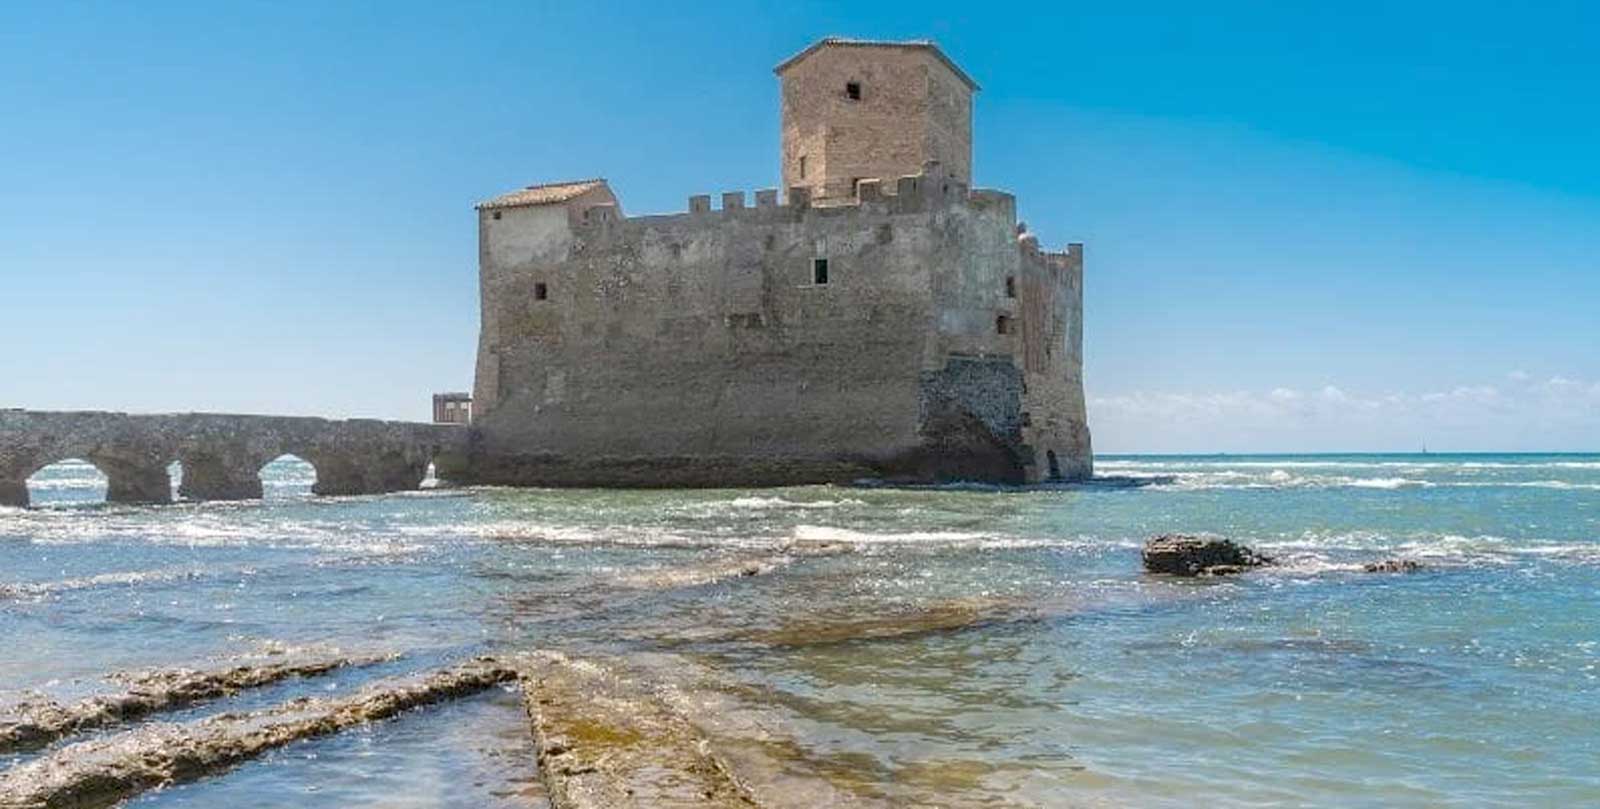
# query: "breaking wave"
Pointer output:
{"type": "Point", "coordinates": [1120, 464]}
{"type": "Point", "coordinates": [1317, 552]}
{"type": "Point", "coordinates": [41, 589]}
{"type": "Point", "coordinates": [1296, 477]}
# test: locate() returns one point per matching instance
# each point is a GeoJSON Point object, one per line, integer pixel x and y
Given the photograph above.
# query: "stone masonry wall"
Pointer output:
{"type": "Point", "coordinates": [695, 349]}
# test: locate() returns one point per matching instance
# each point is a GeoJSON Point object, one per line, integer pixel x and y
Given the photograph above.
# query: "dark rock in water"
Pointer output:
{"type": "Point", "coordinates": [1189, 555]}
{"type": "Point", "coordinates": [1393, 566]}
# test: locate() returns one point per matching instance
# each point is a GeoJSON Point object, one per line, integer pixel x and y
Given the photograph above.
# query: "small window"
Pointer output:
{"type": "Point", "coordinates": [497, 215]}
{"type": "Point", "coordinates": [802, 167]}
{"type": "Point", "coordinates": [1002, 325]}
{"type": "Point", "coordinates": [819, 271]}
{"type": "Point", "coordinates": [1011, 287]}
{"type": "Point", "coordinates": [540, 291]}
{"type": "Point", "coordinates": [852, 90]}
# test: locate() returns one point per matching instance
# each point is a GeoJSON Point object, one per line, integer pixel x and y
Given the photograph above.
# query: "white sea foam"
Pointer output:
{"type": "Point", "coordinates": [622, 534]}
{"type": "Point", "coordinates": [1315, 551]}
{"type": "Point", "coordinates": [833, 534]}
{"type": "Point", "coordinates": [1290, 476]}
{"type": "Point", "coordinates": [1284, 479]}
{"type": "Point", "coordinates": [29, 590]}
{"type": "Point", "coordinates": [1134, 464]}
{"type": "Point", "coordinates": [1526, 484]}
{"type": "Point", "coordinates": [763, 503]}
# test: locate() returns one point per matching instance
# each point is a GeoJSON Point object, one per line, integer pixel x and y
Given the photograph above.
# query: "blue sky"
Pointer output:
{"type": "Point", "coordinates": [1308, 226]}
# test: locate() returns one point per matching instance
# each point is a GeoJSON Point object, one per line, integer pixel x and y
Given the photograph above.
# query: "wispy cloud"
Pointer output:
{"type": "Point", "coordinates": [1519, 413]}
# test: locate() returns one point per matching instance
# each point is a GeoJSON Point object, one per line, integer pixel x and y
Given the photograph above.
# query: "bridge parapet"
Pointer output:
{"type": "Point", "coordinates": [222, 454]}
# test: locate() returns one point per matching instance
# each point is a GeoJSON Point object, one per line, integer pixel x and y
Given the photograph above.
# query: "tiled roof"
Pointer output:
{"type": "Point", "coordinates": [546, 194]}
{"type": "Point", "coordinates": [924, 44]}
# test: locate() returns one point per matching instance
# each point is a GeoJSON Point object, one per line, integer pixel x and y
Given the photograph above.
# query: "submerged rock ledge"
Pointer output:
{"type": "Point", "coordinates": [34, 723]}
{"type": "Point", "coordinates": [102, 772]}
{"type": "Point", "coordinates": [607, 744]}
{"type": "Point", "coordinates": [948, 615]}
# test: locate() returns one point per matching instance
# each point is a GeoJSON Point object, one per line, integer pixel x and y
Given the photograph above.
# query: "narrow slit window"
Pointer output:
{"type": "Point", "coordinates": [852, 90]}
{"type": "Point", "coordinates": [1011, 287]}
{"type": "Point", "coordinates": [802, 166]}
{"type": "Point", "coordinates": [1002, 325]}
{"type": "Point", "coordinates": [540, 291]}
{"type": "Point", "coordinates": [819, 271]}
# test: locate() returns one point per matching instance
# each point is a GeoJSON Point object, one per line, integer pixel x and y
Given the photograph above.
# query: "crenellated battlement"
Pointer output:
{"type": "Point", "coordinates": [909, 194]}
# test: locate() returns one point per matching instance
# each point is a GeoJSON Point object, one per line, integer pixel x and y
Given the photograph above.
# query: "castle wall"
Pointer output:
{"type": "Point", "coordinates": [695, 349]}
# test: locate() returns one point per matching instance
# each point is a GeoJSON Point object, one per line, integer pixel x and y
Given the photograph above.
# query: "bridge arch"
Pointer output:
{"type": "Point", "coordinates": [288, 474]}
{"type": "Point", "coordinates": [69, 481]}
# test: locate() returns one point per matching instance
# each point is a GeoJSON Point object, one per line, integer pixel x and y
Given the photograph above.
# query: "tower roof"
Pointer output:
{"type": "Point", "coordinates": [546, 194]}
{"type": "Point", "coordinates": [910, 44]}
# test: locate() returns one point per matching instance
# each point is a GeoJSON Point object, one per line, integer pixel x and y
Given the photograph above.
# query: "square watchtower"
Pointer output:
{"type": "Point", "coordinates": [860, 109]}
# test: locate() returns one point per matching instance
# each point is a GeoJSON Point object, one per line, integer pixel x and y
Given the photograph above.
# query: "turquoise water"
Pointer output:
{"type": "Point", "coordinates": [1475, 682]}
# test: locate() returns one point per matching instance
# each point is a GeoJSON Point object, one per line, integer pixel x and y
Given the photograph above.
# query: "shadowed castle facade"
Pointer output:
{"type": "Point", "coordinates": [883, 320]}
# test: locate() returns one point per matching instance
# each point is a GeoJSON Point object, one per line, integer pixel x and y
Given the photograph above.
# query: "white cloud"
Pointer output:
{"type": "Point", "coordinates": [1558, 413]}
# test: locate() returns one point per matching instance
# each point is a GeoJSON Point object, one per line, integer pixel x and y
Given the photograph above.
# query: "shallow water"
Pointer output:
{"type": "Point", "coordinates": [1472, 683]}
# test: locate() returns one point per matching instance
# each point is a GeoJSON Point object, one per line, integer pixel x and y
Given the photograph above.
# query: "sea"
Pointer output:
{"type": "Point", "coordinates": [1473, 681]}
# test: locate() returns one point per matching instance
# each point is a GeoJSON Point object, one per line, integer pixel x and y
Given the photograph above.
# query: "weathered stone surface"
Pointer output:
{"type": "Point", "coordinates": [1188, 555]}
{"type": "Point", "coordinates": [951, 615]}
{"type": "Point", "coordinates": [221, 454]}
{"type": "Point", "coordinates": [605, 743]}
{"type": "Point", "coordinates": [32, 724]}
{"type": "Point", "coordinates": [14, 492]}
{"type": "Point", "coordinates": [1393, 566]}
{"type": "Point", "coordinates": [102, 772]}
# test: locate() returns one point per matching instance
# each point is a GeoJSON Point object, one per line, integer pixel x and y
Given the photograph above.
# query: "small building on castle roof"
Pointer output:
{"type": "Point", "coordinates": [544, 194]}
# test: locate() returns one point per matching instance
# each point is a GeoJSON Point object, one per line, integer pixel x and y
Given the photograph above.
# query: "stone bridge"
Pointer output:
{"type": "Point", "coordinates": [222, 454]}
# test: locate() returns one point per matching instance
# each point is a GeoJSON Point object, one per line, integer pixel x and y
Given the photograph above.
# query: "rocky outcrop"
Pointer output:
{"type": "Point", "coordinates": [1393, 566]}
{"type": "Point", "coordinates": [605, 743]}
{"type": "Point", "coordinates": [32, 724]}
{"type": "Point", "coordinates": [1191, 555]}
{"type": "Point", "coordinates": [102, 772]}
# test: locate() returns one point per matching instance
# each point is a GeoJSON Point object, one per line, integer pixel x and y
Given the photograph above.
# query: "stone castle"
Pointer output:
{"type": "Point", "coordinates": [884, 319]}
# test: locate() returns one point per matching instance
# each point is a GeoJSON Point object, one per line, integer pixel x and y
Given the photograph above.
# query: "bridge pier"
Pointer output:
{"type": "Point", "coordinates": [339, 474]}
{"type": "Point", "coordinates": [13, 492]}
{"type": "Point", "coordinates": [136, 483]}
{"type": "Point", "coordinates": [220, 476]}
{"type": "Point", "coordinates": [396, 473]}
